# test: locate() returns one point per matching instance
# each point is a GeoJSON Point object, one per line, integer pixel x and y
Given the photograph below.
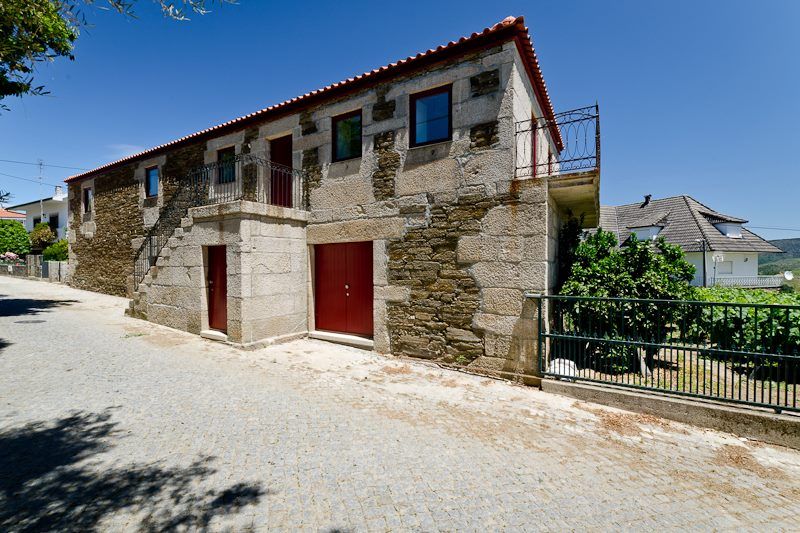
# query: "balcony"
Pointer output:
{"type": "Point", "coordinates": [565, 151]}
{"type": "Point", "coordinates": [247, 177]}
{"type": "Point", "coordinates": [749, 282]}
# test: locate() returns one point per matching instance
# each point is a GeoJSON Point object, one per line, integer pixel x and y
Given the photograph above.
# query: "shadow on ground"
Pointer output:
{"type": "Point", "coordinates": [52, 478]}
{"type": "Point", "coordinates": [28, 306]}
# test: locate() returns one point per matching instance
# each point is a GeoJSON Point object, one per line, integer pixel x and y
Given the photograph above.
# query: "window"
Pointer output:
{"type": "Point", "coordinates": [52, 221]}
{"type": "Point", "coordinates": [725, 267]}
{"type": "Point", "coordinates": [226, 165]}
{"type": "Point", "coordinates": [151, 182]}
{"type": "Point", "coordinates": [346, 136]}
{"type": "Point", "coordinates": [37, 220]}
{"type": "Point", "coordinates": [431, 120]}
{"type": "Point", "coordinates": [88, 200]}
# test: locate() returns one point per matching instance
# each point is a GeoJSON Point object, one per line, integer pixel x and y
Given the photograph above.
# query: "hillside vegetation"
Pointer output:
{"type": "Point", "coordinates": [777, 263]}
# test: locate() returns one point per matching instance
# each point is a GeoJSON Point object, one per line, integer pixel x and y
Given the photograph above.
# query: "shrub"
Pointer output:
{"type": "Point", "coordinates": [14, 238]}
{"type": "Point", "coordinates": [42, 235]}
{"type": "Point", "coordinates": [773, 330]}
{"type": "Point", "coordinates": [639, 270]}
{"type": "Point", "coordinates": [58, 251]}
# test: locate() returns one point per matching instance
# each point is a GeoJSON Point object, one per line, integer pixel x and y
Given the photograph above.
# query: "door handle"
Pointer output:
{"type": "Point", "coordinates": [346, 286]}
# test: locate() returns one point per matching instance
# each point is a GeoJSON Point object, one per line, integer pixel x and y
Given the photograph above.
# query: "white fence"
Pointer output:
{"type": "Point", "coordinates": [750, 282]}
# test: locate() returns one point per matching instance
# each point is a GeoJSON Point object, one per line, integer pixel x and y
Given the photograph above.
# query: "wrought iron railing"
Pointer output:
{"type": "Point", "coordinates": [741, 353]}
{"type": "Point", "coordinates": [538, 153]}
{"type": "Point", "coordinates": [762, 282]}
{"type": "Point", "coordinates": [245, 177]}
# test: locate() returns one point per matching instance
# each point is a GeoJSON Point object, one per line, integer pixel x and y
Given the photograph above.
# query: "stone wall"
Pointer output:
{"type": "Point", "coordinates": [103, 243]}
{"type": "Point", "coordinates": [456, 238]}
{"type": "Point", "coordinates": [267, 272]}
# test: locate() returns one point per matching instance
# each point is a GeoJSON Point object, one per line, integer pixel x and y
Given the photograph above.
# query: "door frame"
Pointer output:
{"type": "Point", "coordinates": [207, 270]}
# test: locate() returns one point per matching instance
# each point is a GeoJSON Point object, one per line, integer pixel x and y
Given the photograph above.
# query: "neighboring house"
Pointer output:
{"type": "Point", "coordinates": [730, 250]}
{"type": "Point", "coordinates": [5, 214]}
{"type": "Point", "coordinates": [52, 209]}
{"type": "Point", "coordinates": [407, 209]}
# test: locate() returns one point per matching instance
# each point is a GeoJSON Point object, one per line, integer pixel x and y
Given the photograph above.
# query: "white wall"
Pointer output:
{"type": "Point", "coordinates": [743, 264]}
{"type": "Point", "coordinates": [50, 207]}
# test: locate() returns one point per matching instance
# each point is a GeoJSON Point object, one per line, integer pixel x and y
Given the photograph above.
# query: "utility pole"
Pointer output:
{"type": "Point", "coordinates": [41, 202]}
{"type": "Point", "coordinates": [703, 243]}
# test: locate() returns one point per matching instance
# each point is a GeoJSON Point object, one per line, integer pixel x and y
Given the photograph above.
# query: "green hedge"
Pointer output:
{"type": "Point", "coordinates": [14, 238]}
{"type": "Point", "coordinates": [58, 251]}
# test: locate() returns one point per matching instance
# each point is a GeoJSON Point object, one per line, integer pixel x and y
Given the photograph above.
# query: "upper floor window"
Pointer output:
{"type": "Point", "coordinates": [346, 136]}
{"type": "Point", "coordinates": [88, 200]}
{"type": "Point", "coordinates": [431, 116]}
{"type": "Point", "coordinates": [226, 165]}
{"type": "Point", "coordinates": [151, 182]}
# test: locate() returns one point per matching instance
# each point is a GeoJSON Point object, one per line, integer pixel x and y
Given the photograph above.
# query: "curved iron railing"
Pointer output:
{"type": "Point", "coordinates": [580, 136]}
{"type": "Point", "coordinates": [244, 177]}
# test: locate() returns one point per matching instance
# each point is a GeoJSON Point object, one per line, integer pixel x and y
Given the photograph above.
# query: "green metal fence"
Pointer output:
{"type": "Point", "coordinates": [742, 353]}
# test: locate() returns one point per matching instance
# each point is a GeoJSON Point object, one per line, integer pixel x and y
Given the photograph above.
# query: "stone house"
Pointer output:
{"type": "Point", "coordinates": [406, 210]}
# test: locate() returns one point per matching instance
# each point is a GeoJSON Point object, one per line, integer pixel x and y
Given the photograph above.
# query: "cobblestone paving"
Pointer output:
{"type": "Point", "coordinates": [115, 424]}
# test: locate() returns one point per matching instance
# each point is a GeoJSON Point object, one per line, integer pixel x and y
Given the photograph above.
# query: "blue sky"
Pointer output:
{"type": "Point", "coordinates": [696, 98]}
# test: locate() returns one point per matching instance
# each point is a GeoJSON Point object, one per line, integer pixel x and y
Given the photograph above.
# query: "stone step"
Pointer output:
{"type": "Point", "coordinates": [186, 222]}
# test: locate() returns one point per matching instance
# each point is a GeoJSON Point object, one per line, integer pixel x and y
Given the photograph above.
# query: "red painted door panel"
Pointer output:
{"type": "Point", "coordinates": [343, 287]}
{"type": "Point", "coordinates": [217, 281]}
{"type": "Point", "coordinates": [281, 175]}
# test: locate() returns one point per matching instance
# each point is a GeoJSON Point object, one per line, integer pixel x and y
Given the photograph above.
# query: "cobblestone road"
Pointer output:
{"type": "Point", "coordinates": [116, 424]}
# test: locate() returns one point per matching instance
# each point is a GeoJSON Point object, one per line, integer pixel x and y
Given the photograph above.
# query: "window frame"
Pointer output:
{"type": "Point", "coordinates": [147, 192]}
{"type": "Point", "coordinates": [230, 149]}
{"type": "Point", "coordinates": [334, 136]}
{"type": "Point", "coordinates": [412, 107]}
{"type": "Point", "coordinates": [35, 223]}
{"type": "Point", "coordinates": [87, 203]}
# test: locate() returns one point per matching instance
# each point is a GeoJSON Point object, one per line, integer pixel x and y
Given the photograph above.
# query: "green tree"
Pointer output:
{"type": "Point", "coordinates": [32, 31]}
{"type": "Point", "coordinates": [14, 238]}
{"type": "Point", "coordinates": [58, 251]}
{"type": "Point", "coordinates": [638, 270]}
{"type": "Point", "coordinates": [41, 236]}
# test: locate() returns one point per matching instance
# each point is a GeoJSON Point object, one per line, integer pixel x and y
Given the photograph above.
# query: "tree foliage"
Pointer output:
{"type": "Point", "coordinates": [58, 251]}
{"type": "Point", "coordinates": [14, 238]}
{"type": "Point", "coordinates": [42, 235]}
{"type": "Point", "coordinates": [650, 270]}
{"type": "Point", "coordinates": [33, 31]}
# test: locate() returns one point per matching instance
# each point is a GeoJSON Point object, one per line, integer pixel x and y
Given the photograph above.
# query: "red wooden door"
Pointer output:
{"type": "Point", "coordinates": [217, 280]}
{"type": "Point", "coordinates": [281, 174]}
{"type": "Point", "coordinates": [343, 297]}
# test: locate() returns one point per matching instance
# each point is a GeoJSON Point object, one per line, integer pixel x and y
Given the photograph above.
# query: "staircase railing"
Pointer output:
{"type": "Point", "coordinates": [244, 177]}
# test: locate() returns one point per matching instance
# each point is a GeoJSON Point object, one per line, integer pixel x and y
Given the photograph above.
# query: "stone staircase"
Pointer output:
{"type": "Point", "coordinates": [137, 307]}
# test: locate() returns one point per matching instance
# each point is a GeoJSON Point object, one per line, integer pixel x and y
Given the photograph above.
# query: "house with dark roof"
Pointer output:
{"type": "Point", "coordinates": [722, 250]}
{"type": "Point", "coordinates": [407, 210]}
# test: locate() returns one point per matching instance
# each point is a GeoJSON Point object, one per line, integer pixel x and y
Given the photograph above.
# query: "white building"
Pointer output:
{"type": "Point", "coordinates": [730, 250]}
{"type": "Point", "coordinates": [52, 209]}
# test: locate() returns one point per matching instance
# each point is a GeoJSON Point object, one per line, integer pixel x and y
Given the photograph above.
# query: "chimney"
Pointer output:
{"type": "Point", "coordinates": [646, 200]}
{"type": "Point", "coordinates": [59, 194]}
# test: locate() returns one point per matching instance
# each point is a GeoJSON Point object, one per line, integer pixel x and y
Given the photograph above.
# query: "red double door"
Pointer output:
{"type": "Point", "coordinates": [343, 296]}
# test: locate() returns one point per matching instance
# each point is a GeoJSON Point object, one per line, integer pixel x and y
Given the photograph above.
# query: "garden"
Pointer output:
{"type": "Point", "coordinates": [630, 316]}
{"type": "Point", "coordinates": [16, 244]}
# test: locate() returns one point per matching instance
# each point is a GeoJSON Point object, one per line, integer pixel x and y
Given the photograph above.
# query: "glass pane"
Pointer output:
{"type": "Point", "coordinates": [348, 137]}
{"type": "Point", "coordinates": [432, 118]}
{"type": "Point", "coordinates": [226, 165]}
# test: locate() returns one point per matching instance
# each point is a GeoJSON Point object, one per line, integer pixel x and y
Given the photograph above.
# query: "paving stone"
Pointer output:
{"type": "Point", "coordinates": [111, 423]}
